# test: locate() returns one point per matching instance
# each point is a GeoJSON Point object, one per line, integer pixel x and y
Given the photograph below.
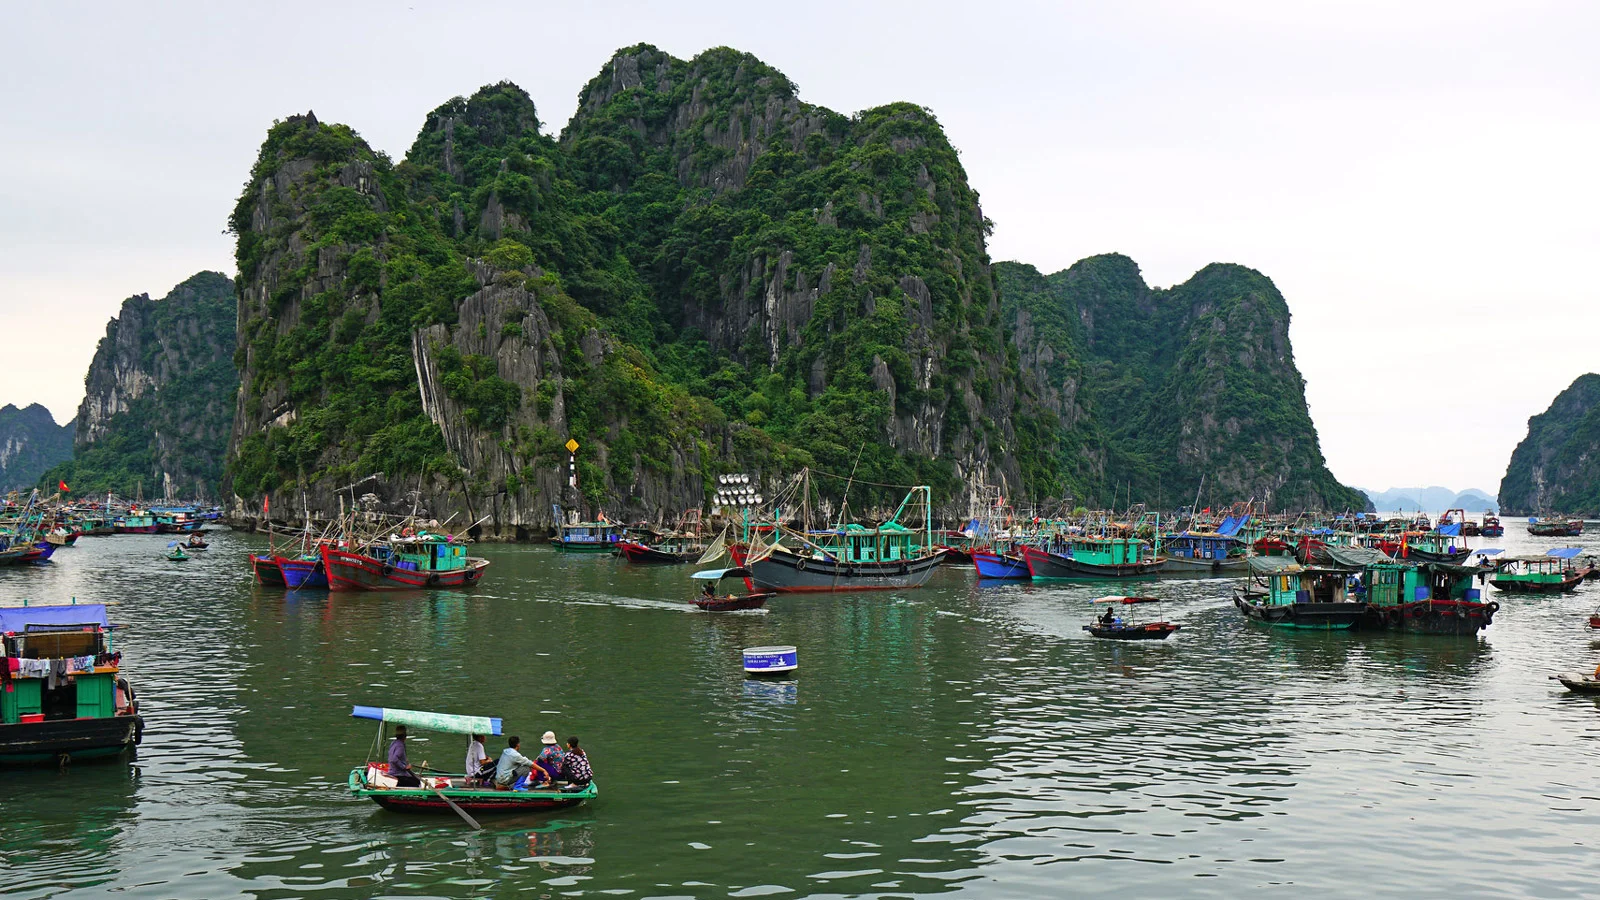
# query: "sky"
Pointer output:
{"type": "Point", "coordinates": [1419, 179]}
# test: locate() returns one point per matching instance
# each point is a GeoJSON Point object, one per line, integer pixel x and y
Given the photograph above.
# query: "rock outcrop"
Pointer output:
{"type": "Point", "coordinates": [1556, 468]}
{"type": "Point", "coordinates": [30, 443]}
{"type": "Point", "coordinates": [1177, 385]}
{"type": "Point", "coordinates": [158, 397]}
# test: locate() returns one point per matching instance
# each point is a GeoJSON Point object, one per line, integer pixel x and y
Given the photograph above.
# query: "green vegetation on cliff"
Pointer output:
{"type": "Point", "coordinates": [30, 443]}
{"type": "Point", "coordinates": [1175, 385]}
{"type": "Point", "coordinates": [720, 265]}
{"type": "Point", "coordinates": [158, 403]}
{"type": "Point", "coordinates": [1556, 468]}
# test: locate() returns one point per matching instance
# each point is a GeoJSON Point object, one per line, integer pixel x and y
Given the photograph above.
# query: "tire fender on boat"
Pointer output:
{"type": "Point", "coordinates": [433, 579]}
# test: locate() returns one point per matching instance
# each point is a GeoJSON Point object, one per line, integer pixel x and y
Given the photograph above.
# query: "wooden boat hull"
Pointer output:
{"type": "Point", "coordinates": [786, 572]}
{"type": "Point", "coordinates": [1046, 565]}
{"type": "Point", "coordinates": [1566, 585]}
{"type": "Point", "coordinates": [1305, 616]}
{"type": "Point", "coordinates": [1150, 631]}
{"type": "Point", "coordinates": [1492, 531]}
{"type": "Point", "coordinates": [474, 800]}
{"type": "Point", "coordinates": [643, 554]}
{"type": "Point", "coordinates": [1579, 682]}
{"type": "Point", "coordinates": [1458, 617]}
{"type": "Point", "coordinates": [302, 574]}
{"type": "Point", "coordinates": [135, 529]}
{"type": "Point", "coordinates": [729, 604]}
{"type": "Point", "coordinates": [354, 572]}
{"type": "Point", "coordinates": [267, 571]}
{"type": "Point", "coordinates": [1000, 566]}
{"type": "Point", "coordinates": [1188, 565]}
{"type": "Point", "coordinates": [28, 743]}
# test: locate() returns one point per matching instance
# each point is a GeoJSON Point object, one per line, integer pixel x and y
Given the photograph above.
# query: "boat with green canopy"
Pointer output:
{"type": "Point", "coordinates": [1548, 574]}
{"type": "Point", "coordinates": [446, 792]}
{"type": "Point", "coordinates": [1286, 594]}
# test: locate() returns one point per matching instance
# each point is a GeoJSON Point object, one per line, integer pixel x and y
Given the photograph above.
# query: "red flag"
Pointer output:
{"type": "Point", "coordinates": [265, 502]}
{"type": "Point", "coordinates": [64, 486]}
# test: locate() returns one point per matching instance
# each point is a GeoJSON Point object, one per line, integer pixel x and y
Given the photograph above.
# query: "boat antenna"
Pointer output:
{"type": "Point", "coordinates": [844, 506]}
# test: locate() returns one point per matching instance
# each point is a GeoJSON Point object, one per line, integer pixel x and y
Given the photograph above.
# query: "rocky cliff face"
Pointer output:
{"type": "Point", "coordinates": [30, 443]}
{"type": "Point", "coordinates": [1175, 385]}
{"type": "Point", "coordinates": [1556, 468]}
{"type": "Point", "coordinates": [702, 274]}
{"type": "Point", "coordinates": [158, 399]}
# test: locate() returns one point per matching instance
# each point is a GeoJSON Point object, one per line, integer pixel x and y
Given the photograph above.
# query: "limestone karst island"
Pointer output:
{"type": "Point", "coordinates": [697, 491]}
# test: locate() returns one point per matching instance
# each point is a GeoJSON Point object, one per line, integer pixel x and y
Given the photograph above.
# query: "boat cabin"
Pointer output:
{"type": "Point", "coordinates": [1103, 551]}
{"type": "Point", "coordinates": [1288, 583]}
{"type": "Point", "coordinates": [889, 542]}
{"type": "Point", "coordinates": [1394, 583]}
{"type": "Point", "coordinates": [427, 553]}
{"type": "Point", "coordinates": [1201, 545]}
{"type": "Point", "coordinates": [588, 536]}
{"type": "Point", "coordinates": [57, 662]}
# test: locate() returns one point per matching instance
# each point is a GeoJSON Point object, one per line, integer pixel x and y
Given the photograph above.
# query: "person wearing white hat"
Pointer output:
{"type": "Point", "coordinates": [549, 759]}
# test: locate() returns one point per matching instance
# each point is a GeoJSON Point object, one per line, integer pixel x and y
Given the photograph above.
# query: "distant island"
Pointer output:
{"type": "Point", "coordinates": [1431, 499]}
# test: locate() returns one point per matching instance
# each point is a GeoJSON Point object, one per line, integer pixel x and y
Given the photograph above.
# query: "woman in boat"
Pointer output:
{"type": "Point", "coordinates": [575, 765]}
{"type": "Point", "coordinates": [547, 766]}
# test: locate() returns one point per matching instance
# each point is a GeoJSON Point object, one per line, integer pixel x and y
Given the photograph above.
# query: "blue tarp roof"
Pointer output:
{"type": "Point", "coordinates": [1232, 524]}
{"type": "Point", "coordinates": [1488, 551]}
{"type": "Point", "coordinates": [1565, 552]}
{"type": "Point", "coordinates": [78, 615]}
{"type": "Point", "coordinates": [1451, 530]}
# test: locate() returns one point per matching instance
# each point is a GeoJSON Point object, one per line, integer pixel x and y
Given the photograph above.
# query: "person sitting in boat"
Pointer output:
{"type": "Point", "coordinates": [709, 591]}
{"type": "Point", "coordinates": [477, 758]}
{"type": "Point", "coordinates": [399, 766]}
{"type": "Point", "coordinates": [575, 765]}
{"type": "Point", "coordinates": [513, 766]}
{"type": "Point", "coordinates": [549, 761]}
{"type": "Point", "coordinates": [1109, 618]}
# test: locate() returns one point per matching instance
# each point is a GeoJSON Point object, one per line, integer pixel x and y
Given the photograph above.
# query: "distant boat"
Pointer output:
{"type": "Point", "coordinates": [587, 537]}
{"type": "Point", "coordinates": [1557, 526]}
{"type": "Point", "coordinates": [847, 557]}
{"type": "Point", "coordinates": [1536, 575]}
{"type": "Point", "coordinates": [1491, 526]}
{"type": "Point", "coordinates": [1086, 556]}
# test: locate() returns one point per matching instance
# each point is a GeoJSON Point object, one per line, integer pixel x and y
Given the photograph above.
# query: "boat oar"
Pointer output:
{"type": "Point", "coordinates": [459, 811]}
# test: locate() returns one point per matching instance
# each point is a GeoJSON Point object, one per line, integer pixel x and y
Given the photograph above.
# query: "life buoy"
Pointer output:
{"type": "Point", "coordinates": [387, 570]}
{"type": "Point", "coordinates": [800, 564]}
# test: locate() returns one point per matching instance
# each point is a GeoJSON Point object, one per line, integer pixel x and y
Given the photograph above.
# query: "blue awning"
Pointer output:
{"type": "Point", "coordinates": [78, 615]}
{"type": "Point", "coordinates": [1489, 551]}
{"type": "Point", "coordinates": [1451, 530]}
{"type": "Point", "coordinates": [1565, 552]}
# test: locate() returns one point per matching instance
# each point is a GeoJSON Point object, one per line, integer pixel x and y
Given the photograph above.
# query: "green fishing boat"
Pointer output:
{"type": "Point", "coordinates": [1283, 593]}
{"type": "Point", "coordinates": [1550, 574]}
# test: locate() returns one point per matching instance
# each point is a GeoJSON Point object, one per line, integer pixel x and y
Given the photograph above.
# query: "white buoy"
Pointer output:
{"type": "Point", "coordinates": [770, 660]}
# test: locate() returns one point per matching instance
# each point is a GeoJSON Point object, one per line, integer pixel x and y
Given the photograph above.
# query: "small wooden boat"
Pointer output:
{"type": "Point", "coordinates": [1594, 619]}
{"type": "Point", "coordinates": [1113, 627]}
{"type": "Point", "coordinates": [711, 601]}
{"type": "Point", "coordinates": [446, 793]}
{"type": "Point", "coordinates": [587, 537]}
{"type": "Point", "coordinates": [303, 573]}
{"type": "Point", "coordinates": [1578, 682]}
{"type": "Point", "coordinates": [176, 554]}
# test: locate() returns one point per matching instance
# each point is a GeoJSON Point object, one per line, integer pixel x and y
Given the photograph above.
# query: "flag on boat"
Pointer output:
{"type": "Point", "coordinates": [64, 486]}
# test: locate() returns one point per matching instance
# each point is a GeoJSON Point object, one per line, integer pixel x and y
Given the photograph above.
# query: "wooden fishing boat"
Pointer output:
{"type": "Point", "coordinates": [447, 793]}
{"type": "Point", "coordinates": [1286, 594]}
{"type": "Point", "coordinates": [91, 713]}
{"type": "Point", "coordinates": [847, 557]}
{"type": "Point", "coordinates": [1491, 526]}
{"type": "Point", "coordinates": [587, 537]}
{"type": "Point", "coordinates": [1092, 557]}
{"type": "Point", "coordinates": [413, 562]}
{"type": "Point", "coordinates": [1114, 628]}
{"type": "Point", "coordinates": [303, 572]}
{"type": "Point", "coordinates": [267, 571]}
{"type": "Point", "coordinates": [1200, 553]}
{"type": "Point", "coordinates": [669, 552]}
{"type": "Point", "coordinates": [1578, 682]}
{"type": "Point", "coordinates": [1535, 575]}
{"type": "Point", "coordinates": [1000, 566]}
{"type": "Point", "coordinates": [1557, 526]}
{"type": "Point", "coordinates": [714, 602]}
{"type": "Point", "coordinates": [1424, 598]}
{"type": "Point", "coordinates": [135, 523]}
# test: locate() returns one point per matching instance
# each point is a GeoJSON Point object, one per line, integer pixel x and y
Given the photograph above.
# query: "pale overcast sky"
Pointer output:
{"type": "Point", "coordinates": [1420, 179]}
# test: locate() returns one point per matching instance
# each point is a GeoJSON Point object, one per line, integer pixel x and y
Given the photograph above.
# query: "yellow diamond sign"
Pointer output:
{"type": "Point", "coordinates": [572, 446]}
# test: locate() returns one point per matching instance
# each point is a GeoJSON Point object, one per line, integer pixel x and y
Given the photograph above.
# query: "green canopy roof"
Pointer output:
{"type": "Point", "coordinates": [430, 721]}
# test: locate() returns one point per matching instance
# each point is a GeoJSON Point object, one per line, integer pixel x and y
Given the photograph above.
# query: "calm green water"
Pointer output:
{"type": "Point", "coordinates": [955, 739]}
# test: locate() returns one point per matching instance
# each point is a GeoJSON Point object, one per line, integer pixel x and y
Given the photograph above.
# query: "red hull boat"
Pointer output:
{"type": "Point", "coordinates": [355, 572]}
{"type": "Point", "coordinates": [728, 604]}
